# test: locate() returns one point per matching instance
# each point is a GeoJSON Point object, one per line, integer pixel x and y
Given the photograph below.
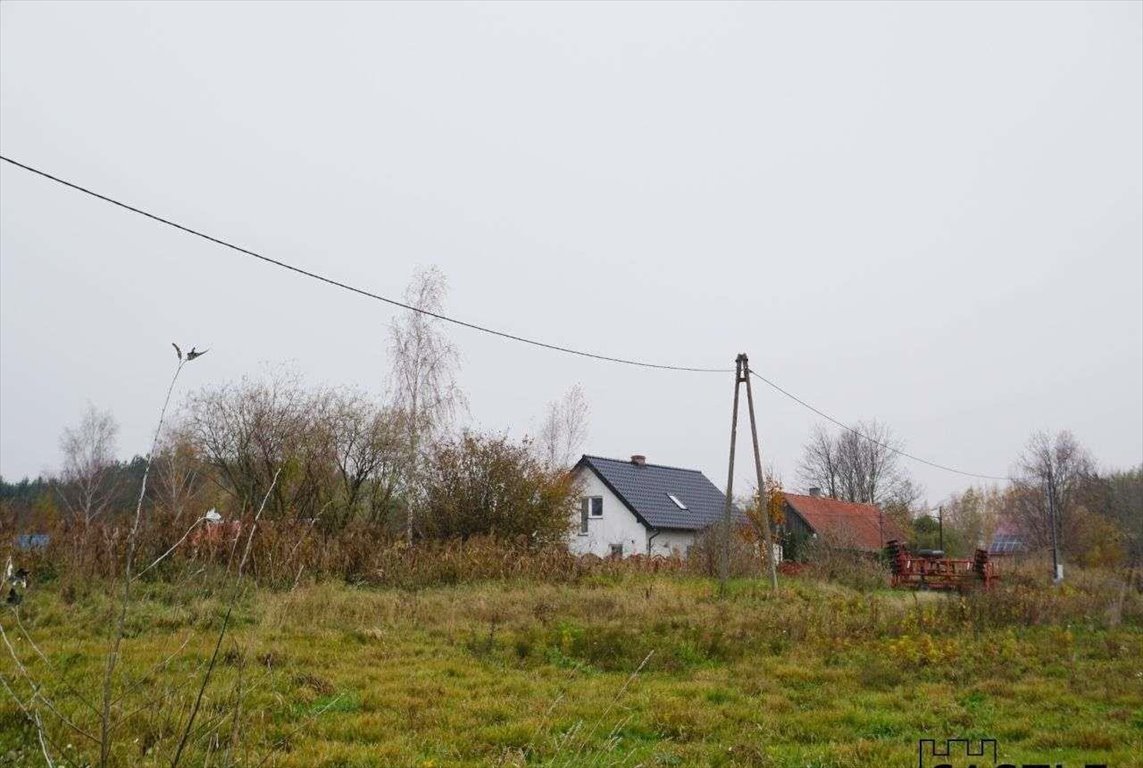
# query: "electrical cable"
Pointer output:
{"type": "Point", "coordinates": [361, 291]}
{"type": "Point", "coordinates": [873, 440]}
{"type": "Point", "coordinates": [474, 326]}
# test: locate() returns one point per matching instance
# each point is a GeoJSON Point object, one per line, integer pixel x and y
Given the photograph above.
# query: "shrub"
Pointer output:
{"type": "Point", "coordinates": [852, 568]}
{"type": "Point", "coordinates": [706, 554]}
{"type": "Point", "coordinates": [479, 485]}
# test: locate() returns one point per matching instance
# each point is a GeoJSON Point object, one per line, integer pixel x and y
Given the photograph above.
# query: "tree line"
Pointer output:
{"type": "Point", "coordinates": [1098, 515]}
{"type": "Point", "coordinates": [330, 457]}
{"type": "Point", "coordinates": [333, 457]}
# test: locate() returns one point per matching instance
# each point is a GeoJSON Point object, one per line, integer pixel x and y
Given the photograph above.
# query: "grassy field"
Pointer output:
{"type": "Point", "coordinates": [623, 670]}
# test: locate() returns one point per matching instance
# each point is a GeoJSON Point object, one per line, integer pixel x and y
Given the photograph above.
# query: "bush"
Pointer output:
{"type": "Point", "coordinates": [706, 554]}
{"type": "Point", "coordinates": [853, 568]}
{"type": "Point", "coordinates": [482, 485]}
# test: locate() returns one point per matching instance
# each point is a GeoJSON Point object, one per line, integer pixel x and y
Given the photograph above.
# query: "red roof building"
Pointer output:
{"type": "Point", "coordinates": [841, 523]}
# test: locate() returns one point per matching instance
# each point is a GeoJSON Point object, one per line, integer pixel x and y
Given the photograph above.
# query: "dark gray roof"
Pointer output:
{"type": "Point", "coordinates": [645, 488]}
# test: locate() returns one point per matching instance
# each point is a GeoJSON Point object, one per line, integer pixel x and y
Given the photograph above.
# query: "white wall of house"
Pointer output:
{"type": "Point", "coordinates": [672, 542]}
{"type": "Point", "coordinates": [618, 525]}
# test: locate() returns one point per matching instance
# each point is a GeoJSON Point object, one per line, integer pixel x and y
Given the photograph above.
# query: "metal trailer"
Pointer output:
{"type": "Point", "coordinates": [930, 569]}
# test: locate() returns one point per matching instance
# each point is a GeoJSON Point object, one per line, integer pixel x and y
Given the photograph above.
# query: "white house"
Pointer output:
{"type": "Point", "coordinates": [632, 507]}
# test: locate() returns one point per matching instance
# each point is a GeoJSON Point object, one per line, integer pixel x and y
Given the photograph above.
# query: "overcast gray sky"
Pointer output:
{"type": "Point", "coordinates": [928, 214]}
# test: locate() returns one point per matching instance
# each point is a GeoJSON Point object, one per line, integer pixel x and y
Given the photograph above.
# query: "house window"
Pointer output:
{"type": "Point", "coordinates": [678, 503]}
{"type": "Point", "coordinates": [589, 507]}
{"type": "Point", "coordinates": [617, 550]}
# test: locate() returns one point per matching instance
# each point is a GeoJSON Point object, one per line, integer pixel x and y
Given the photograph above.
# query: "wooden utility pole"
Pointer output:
{"type": "Point", "coordinates": [742, 376]}
{"type": "Point", "coordinates": [727, 517]}
{"type": "Point", "coordinates": [763, 496]}
{"type": "Point", "coordinates": [941, 526]}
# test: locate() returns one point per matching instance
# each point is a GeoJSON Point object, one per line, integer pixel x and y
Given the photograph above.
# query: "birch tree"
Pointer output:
{"type": "Point", "coordinates": [564, 429]}
{"type": "Point", "coordinates": [423, 381]}
{"type": "Point", "coordinates": [89, 477]}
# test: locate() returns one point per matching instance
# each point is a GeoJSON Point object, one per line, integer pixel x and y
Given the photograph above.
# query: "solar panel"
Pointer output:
{"type": "Point", "coordinates": [1006, 544]}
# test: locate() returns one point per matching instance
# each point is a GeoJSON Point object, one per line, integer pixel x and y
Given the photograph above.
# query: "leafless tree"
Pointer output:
{"type": "Point", "coordinates": [365, 443]}
{"type": "Point", "coordinates": [423, 380]}
{"type": "Point", "coordinates": [1050, 473]}
{"type": "Point", "coordinates": [247, 431]}
{"type": "Point", "coordinates": [339, 453]}
{"type": "Point", "coordinates": [89, 483]}
{"type": "Point", "coordinates": [564, 429]}
{"type": "Point", "coordinates": [859, 464]}
{"type": "Point", "coordinates": [820, 466]}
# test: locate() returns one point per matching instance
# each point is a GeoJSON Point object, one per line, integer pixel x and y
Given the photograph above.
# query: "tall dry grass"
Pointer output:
{"type": "Point", "coordinates": [285, 554]}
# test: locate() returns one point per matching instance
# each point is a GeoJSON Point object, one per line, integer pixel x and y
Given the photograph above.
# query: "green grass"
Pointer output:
{"type": "Point", "coordinates": [540, 674]}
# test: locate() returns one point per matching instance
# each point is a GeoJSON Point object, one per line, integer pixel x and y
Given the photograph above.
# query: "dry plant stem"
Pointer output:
{"type": "Point", "coordinates": [285, 739]}
{"type": "Point", "coordinates": [206, 727]}
{"type": "Point", "coordinates": [211, 726]}
{"type": "Point", "coordinates": [34, 719]}
{"type": "Point", "coordinates": [254, 525]}
{"type": "Point", "coordinates": [132, 540]}
{"type": "Point", "coordinates": [70, 688]}
{"type": "Point", "coordinates": [157, 668]}
{"type": "Point", "coordinates": [226, 758]}
{"type": "Point", "coordinates": [43, 745]}
{"type": "Point", "coordinates": [225, 623]}
{"type": "Point", "coordinates": [36, 692]}
{"type": "Point", "coordinates": [530, 749]}
{"type": "Point", "coordinates": [174, 546]}
{"type": "Point", "coordinates": [551, 708]}
{"type": "Point", "coordinates": [615, 700]}
{"type": "Point", "coordinates": [150, 704]}
{"type": "Point", "coordinates": [201, 690]}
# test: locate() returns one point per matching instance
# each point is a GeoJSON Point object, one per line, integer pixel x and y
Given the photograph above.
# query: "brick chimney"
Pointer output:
{"type": "Point", "coordinates": [638, 459]}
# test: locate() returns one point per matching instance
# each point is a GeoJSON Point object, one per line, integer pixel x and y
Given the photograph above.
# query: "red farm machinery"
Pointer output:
{"type": "Point", "coordinates": [930, 569]}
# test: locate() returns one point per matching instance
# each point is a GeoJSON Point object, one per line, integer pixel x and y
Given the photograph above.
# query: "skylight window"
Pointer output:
{"type": "Point", "coordinates": [678, 503]}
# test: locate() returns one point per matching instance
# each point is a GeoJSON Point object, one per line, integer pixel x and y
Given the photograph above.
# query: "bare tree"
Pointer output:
{"type": "Point", "coordinates": [564, 429]}
{"type": "Point", "coordinates": [89, 477]}
{"type": "Point", "coordinates": [1050, 474]}
{"type": "Point", "coordinates": [423, 379]}
{"type": "Point", "coordinates": [364, 441]}
{"type": "Point", "coordinates": [247, 431]}
{"type": "Point", "coordinates": [870, 473]}
{"type": "Point", "coordinates": [338, 453]}
{"type": "Point", "coordinates": [859, 464]}
{"type": "Point", "coordinates": [820, 466]}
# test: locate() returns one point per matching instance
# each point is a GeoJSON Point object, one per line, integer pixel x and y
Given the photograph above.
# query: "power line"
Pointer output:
{"type": "Point", "coordinates": [360, 291]}
{"type": "Point", "coordinates": [474, 326]}
{"type": "Point", "coordinates": [873, 440]}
